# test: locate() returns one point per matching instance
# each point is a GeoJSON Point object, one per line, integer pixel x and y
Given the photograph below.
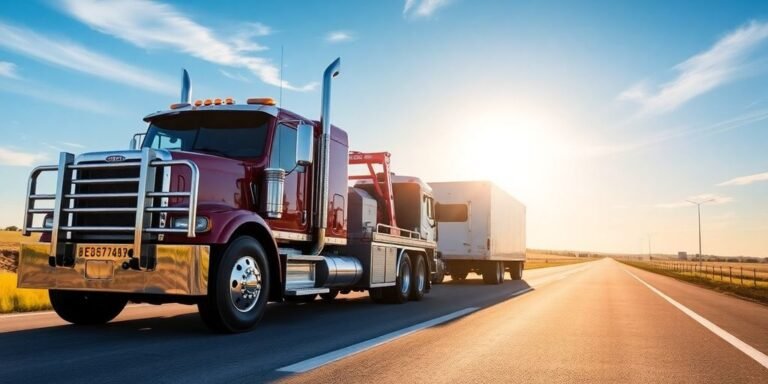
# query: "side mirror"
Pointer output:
{"type": "Point", "coordinates": [305, 137]}
{"type": "Point", "coordinates": [452, 213]}
{"type": "Point", "coordinates": [136, 142]}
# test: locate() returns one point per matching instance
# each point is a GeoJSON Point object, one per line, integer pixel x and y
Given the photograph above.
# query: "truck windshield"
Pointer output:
{"type": "Point", "coordinates": [238, 134]}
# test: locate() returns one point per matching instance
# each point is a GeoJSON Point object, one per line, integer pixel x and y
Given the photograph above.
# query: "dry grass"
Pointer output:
{"type": "Point", "coordinates": [750, 289]}
{"type": "Point", "coordinates": [13, 299]}
{"type": "Point", "coordinates": [535, 260]}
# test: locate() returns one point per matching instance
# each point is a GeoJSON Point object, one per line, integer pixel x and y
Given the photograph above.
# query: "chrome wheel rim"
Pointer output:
{"type": "Point", "coordinates": [245, 284]}
{"type": "Point", "coordinates": [405, 278]}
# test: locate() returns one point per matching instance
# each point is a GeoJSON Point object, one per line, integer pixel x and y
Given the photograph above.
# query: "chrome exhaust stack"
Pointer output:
{"type": "Point", "coordinates": [323, 159]}
{"type": "Point", "coordinates": [186, 88]}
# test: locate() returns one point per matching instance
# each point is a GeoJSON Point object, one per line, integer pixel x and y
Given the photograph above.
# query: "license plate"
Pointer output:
{"type": "Point", "coordinates": [104, 251]}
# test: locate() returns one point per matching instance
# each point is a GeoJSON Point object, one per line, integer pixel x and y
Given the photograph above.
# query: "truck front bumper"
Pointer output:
{"type": "Point", "coordinates": [179, 270]}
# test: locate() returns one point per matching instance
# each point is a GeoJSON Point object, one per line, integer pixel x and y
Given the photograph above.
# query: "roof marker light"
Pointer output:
{"type": "Point", "coordinates": [217, 101]}
{"type": "Point", "coordinates": [207, 102]}
{"type": "Point", "coordinates": [179, 105]}
{"type": "Point", "coordinates": [229, 100]}
{"type": "Point", "coordinates": [262, 100]}
{"type": "Point", "coordinates": [198, 103]}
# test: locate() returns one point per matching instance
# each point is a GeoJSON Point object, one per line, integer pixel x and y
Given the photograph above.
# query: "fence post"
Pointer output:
{"type": "Point", "coordinates": [730, 274]}
{"type": "Point", "coordinates": [741, 273]}
{"type": "Point", "coordinates": [754, 276]}
{"type": "Point", "coordinates": [721, 273]}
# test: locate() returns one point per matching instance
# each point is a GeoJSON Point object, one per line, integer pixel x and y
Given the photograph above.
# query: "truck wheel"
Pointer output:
{"type": "Point", "coordinates": [86, 308]}
{"type": "Point", "coordinates": [439, 275]}
{"type": "Point", "coordinates": [398, 293]}
{"type": "Point", "coordinates": [516, 270]}
{"type": "Point", "coordinates": [330, 295]}
{"type": "Point", "coordinates": [238, 287]}
{"type": "Point", "coordinates": [419, 279]}
{"type": "Point", "coordinates": [493, 272]}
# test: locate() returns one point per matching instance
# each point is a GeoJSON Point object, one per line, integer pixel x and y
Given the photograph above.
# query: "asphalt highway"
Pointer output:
{"type": "Point", "coordinates": [593, 322]}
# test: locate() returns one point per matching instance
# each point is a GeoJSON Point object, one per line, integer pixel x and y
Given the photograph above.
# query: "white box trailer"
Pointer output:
{"type": "Point", "coordinates": [492, 238]}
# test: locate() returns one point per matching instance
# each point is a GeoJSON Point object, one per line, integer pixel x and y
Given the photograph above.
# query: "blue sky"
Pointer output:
{"type": "Point", "coordinates": [603, 117]}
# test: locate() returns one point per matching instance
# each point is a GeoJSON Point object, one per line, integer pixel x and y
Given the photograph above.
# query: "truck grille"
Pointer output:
{"type": "Point", "coordinates": [102, 201]}
{"type": "Point", "coordinates": [107, 198]}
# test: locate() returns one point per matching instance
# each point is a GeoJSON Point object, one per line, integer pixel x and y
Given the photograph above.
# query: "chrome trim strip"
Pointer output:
{"type": "Point", "coordinates": [97, 229]}
{"type": "Point", "coordinates": [141, 202]}
{"type": "Point", "coordinates": [299, 258]}
{"type": "Point", "coordinates": [336, 240]}
{"type": "Point", "coordinates": [285, 235]}
{"type": "Point", "coordinates": [99, 210]}
{"type": "Point", "coordinates": [305, 291]}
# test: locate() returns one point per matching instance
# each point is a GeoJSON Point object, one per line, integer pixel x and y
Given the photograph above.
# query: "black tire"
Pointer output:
{"type": "Point", "coordinates": [493, 272]}
{"type": "Point", "coordinates": [86, 308]}
{"type": "Point", "coordinates": [516, 270]}
{"type": "Point", "coordinates": [301, 299]}
{"type": "Point", "coordinates": [419, 276]}
{"type": "Point", "coordinates": [439, 275]}
{"type": "Point", "coordinates": [223, 309]}
{"type": "Point", "coordinates": [398, 293]}
{"type": "Point", "coordinates": [330, 295]}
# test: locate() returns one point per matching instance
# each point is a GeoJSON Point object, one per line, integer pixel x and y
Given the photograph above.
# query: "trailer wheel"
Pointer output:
{"type": "Point", "coordinates": [238, 287]}
{"type": "Point", "coordinates": [86, 308]}
{"type": "Point", "coordinates": [398, 293]}
{"type": "Point", "coordinates": [516, 270]}
{"type": "Point", "coordinates": [330, 295]}
{"type": "Point", "coordinates": [493, 272]}
{"type": "Point", "coordinates": [419, 279]}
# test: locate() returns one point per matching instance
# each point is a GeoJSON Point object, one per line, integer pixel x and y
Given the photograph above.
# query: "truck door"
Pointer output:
{"type": "Point", "coordinates": [295, 202]}
{"type": "Point", "coordinates": [428, 221]}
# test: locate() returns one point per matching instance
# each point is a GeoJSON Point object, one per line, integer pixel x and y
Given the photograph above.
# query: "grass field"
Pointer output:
{"type": "Point", "coordinates": [13, 299]}
{"type": "Point", "coordinates": [535, 260]}
{"type": "Point", "coordinates": [749, 288]}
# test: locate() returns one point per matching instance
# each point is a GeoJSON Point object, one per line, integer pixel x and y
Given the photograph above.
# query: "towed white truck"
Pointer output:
{"type": "Point", "coordinates": [490, 242]}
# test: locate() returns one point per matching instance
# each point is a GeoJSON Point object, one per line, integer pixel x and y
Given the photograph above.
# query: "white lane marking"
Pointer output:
{"type": "Point", "coordinates": [756, 355]}
{"type": "Point", "coordinates": [309, 364]}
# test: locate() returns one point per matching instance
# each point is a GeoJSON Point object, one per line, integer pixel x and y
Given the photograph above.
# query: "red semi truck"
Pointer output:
{"type": "Point", "coordinates": [227, 206]}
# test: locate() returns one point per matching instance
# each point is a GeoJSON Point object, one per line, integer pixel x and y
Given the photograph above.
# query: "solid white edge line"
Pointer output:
{"type": "Point", "coordinates": [756, 355]}
{"type": "Point", "coordinates": [312, 363]}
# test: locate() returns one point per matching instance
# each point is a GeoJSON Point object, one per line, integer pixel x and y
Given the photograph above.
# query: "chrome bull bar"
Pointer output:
{"type": "Point", "coordinates": [147, 193]}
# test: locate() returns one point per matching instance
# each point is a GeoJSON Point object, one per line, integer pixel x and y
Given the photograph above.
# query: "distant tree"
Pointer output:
{"type": "Point", "coordinates": [12, 228]}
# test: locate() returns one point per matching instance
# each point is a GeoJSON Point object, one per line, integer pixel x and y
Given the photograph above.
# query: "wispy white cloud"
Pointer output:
{"type": "Point", "coordinates": [709, 197]}
{"type": "Point", "coordinates": [8, 70]}
{"type": "Point", "coordinates": [339, 37]}
{"type": "Point", "coordinates": [12, 157]}
{"type": "Point", "coordinates": [77, 58]}
{"type": "Point", "coordinates": [73, 145]}
{"type": "Point", "coordinates": [422, 8]}
{"type": "Point", "coordinates": [64, 99]}
{"type": "Point", "coordinates": [722, 63]}
{"type": "Point", "coordinates": [153, 25]}
{"type": "Point", "coordinates": [235, 76]}
{"type": "Point", "coordinates": [746, 180]}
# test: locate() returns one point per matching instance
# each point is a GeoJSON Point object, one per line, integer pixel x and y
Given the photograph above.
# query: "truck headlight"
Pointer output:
{"type": "Point", "coordinates": [48, 222]}
{"type": "Point", "coordinates": [201, 223]}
